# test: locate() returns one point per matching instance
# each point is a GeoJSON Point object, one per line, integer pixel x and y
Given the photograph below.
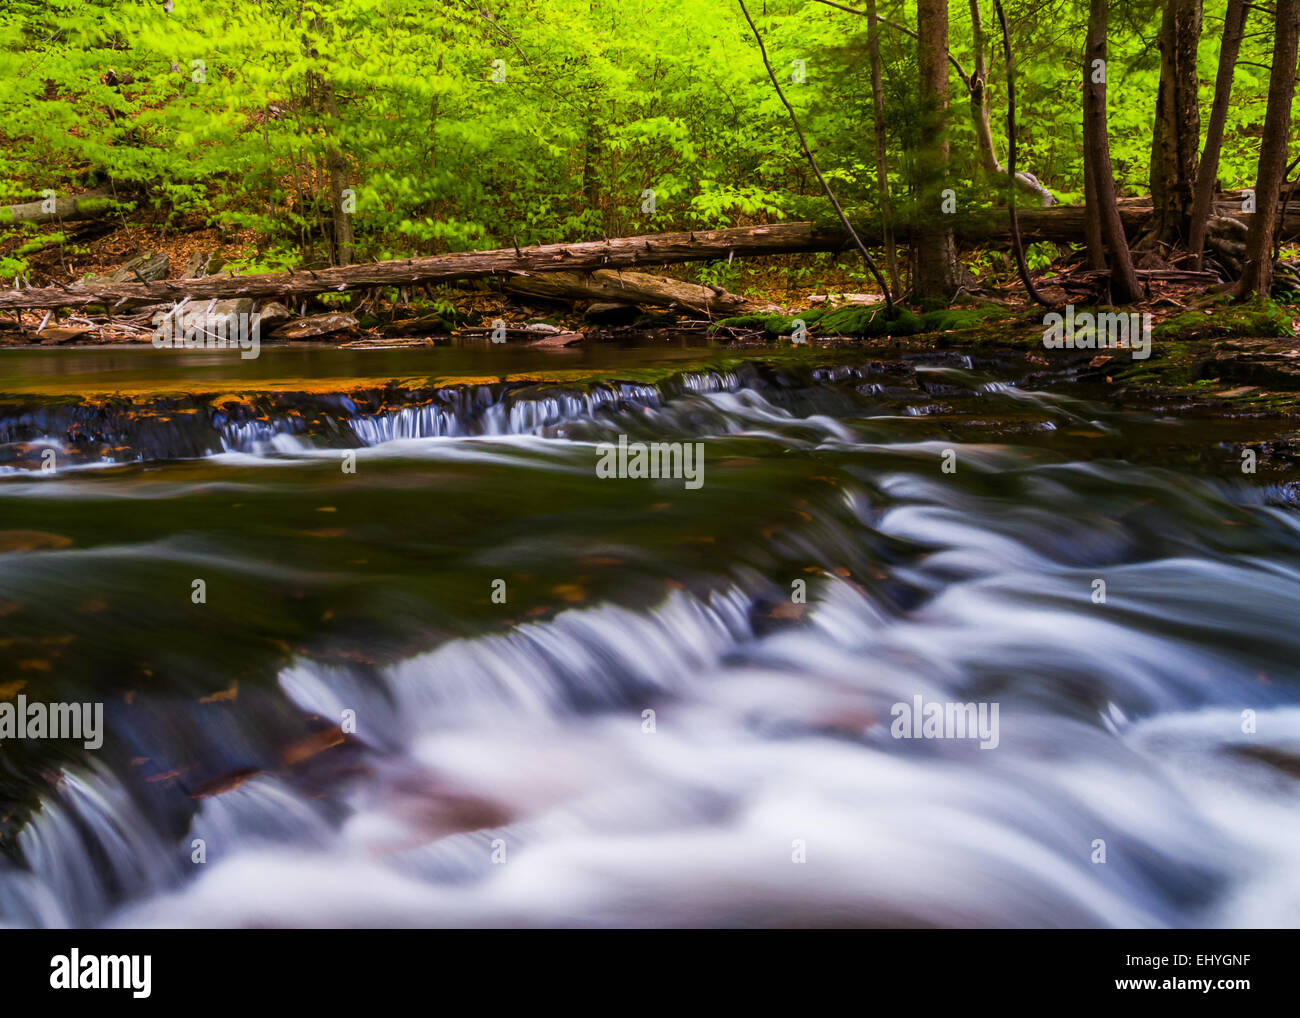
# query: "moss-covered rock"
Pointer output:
{"type": "Point", "coordinates": [1257, 317]}
{"type": "Point", "coordinates": [874, 321]}
{"type": "Point", "coordinates": [773, 325]}
{"type": "Point", "coordinates": [870, 321]}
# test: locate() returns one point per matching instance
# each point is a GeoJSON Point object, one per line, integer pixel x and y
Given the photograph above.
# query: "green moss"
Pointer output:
{"type": "Point", "coordinates": [1256, 318]}
{"type": "Point", "coordinates": [874, 321]}
{"type": "Point", "coordinates": [952, 319]}
{"type": "Point", "coordinates": [871, 321]}
{"type": "Point", "coordinates": [773, 325]}
{"type": "Point", "coordinates": [863, 321]}
{"type": "Point", "coordinates": [95, 206]}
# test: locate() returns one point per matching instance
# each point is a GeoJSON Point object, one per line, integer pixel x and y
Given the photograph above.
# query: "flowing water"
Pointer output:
{"type": "Point", "coordinates": [416, 691]}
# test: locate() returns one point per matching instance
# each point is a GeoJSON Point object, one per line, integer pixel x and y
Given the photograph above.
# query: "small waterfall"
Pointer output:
{"type": "Point", "coordinates": [279, 423]}
{"type": "Point", "coordinates": [427, 421]}
{"type": "Point", "coordinates": [86, 850]}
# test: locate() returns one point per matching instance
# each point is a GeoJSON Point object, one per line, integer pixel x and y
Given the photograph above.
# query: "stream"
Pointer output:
{"type": "Point", "coordinates": [443, 673]}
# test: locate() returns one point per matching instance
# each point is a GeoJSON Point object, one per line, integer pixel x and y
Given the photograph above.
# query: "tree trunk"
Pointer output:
{"type": "Point", "coordinates": [882, 167]}
{"type": "Point", "coordinates": [1234, 29]}
{"type": "Point", "coordinates": [590, 176]}
{"type": "Point", "coordinates": [1257, 273]}
{"type": "Point", "coordinates": [1177, 128]}
{"type": "Point", "coordinates": [337, 168]}
{"type": "Point", "coordinates": [1123, 281]}
{"type": "Point", "coordinates": [937, 272]}
{"type": "Point", "coordinates": [975, 87]}
{"type": "Point", "coordinates": [1096, 246]}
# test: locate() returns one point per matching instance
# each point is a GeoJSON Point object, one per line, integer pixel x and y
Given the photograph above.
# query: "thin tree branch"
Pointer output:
{"type": "Point", "coordinates": [866, 256]}
{"type": "Point", "coordinates": [1017, 244]}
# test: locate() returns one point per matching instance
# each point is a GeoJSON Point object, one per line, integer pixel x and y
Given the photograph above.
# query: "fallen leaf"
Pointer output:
{"type": "Point", "coordinates": [303, 749]}
{"type": "Point", "coordinates": [224, 783]}
{"type": "Point", "coordinates": [224, 695]}
{"type": "Point", "coordinates": [32, 540]}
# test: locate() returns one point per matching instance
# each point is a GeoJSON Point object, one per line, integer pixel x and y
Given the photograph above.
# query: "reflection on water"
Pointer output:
{"type": "Point", "coordinates": [416, 693]}
{"type": "Point", "coordinates": [124, 368]}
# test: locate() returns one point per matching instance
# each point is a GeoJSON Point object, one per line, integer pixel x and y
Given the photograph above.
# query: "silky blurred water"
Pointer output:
{"type": "Point", "coordinates": [502, 770]}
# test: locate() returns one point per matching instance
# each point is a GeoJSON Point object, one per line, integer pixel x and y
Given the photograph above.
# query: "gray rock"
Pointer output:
{"type": "Point", "coordinates": [197, 265]}
{"type": "Point", "coordinates": [146, 268]}
{"type": "Point", "coordinates": [233, 306]}
{"type": "Point", "coordinates": [214, 323]}
{"type": "Point", "coordinates": [273, 311]}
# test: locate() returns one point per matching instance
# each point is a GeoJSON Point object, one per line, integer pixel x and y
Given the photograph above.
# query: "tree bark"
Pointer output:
{"type": "Point", "coordinates": [337, 168]}
{"type": "Point", "coordinates": [937, 273]}
{"type": "Point", "coordinates": [882, 167]}
{"type": "Point", "coordinates": [1257, 273]}
{"type": "Point", "coordinates": [1123, 281]}
{"type": "Point", "coordinates": [1234, 30]}
{"type": "Point", "coordinates": [1177, 128]}
{"type": "Point", "coordinates": [1096, 246]}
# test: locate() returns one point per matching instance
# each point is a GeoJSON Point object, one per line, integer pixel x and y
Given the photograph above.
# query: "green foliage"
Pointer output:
{"type": "Point", "coordinates": [229, 112]}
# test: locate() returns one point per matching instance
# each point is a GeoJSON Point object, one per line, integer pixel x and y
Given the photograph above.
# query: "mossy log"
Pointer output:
{"type": "Point", "coordinates": [62, 208]}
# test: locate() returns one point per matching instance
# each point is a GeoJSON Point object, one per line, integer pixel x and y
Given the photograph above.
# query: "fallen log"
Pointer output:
{"type": "Point", "coordinates": [91, 205]}
{"type": "Point", "coordinates": [632, 288]}
{"type": "Point", "coordinates": [1059, 224]}
{"type": "Point", "coordinates": [625, 252]}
